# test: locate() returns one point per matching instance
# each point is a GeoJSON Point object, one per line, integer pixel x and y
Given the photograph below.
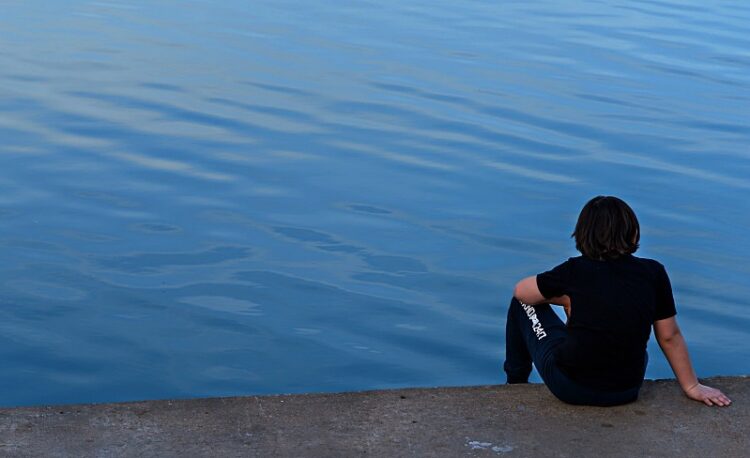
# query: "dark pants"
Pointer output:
{"type": "Point", "coordinates": [531, 335]}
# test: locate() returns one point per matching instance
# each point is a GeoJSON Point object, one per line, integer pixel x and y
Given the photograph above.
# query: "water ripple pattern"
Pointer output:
{"type": "Point", "coordinates": [222, 198]}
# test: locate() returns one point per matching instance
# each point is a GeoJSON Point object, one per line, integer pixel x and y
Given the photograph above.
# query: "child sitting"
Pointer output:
{"type": "Point", "coordinates": [612, 299]}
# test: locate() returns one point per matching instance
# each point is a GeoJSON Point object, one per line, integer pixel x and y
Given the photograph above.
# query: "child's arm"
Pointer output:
{"type": "Point", "coordinates": [527, 291]}
{"type": "Point", "coordinates": [673, 345]}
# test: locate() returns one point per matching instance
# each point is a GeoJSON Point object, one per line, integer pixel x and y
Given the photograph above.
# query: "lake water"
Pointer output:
{"type": "Point", "coordinates": [219, 198]}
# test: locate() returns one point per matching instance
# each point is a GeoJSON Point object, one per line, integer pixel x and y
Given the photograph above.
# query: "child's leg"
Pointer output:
{"type": "Point", "coordinates": [517, 364]}
{"type": "Point", "coordinates": [530, 334]}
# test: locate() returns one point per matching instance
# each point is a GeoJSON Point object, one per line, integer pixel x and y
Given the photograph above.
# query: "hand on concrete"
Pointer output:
{"type": "Point", "coordinates": [707, 395]}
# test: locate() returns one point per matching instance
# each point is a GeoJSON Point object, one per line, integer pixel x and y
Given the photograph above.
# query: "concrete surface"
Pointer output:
{"type": "Point", "coordinates": [507, 421]}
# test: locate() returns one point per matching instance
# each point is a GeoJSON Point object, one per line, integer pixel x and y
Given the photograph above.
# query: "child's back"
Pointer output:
{"type": "Point", "coordinates": [613, 305]}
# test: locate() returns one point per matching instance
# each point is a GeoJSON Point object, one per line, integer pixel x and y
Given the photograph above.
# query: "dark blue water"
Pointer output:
{"type": "Point", "coordinates": [219, 198]}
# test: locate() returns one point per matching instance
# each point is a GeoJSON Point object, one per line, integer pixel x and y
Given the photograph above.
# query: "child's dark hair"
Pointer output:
{"type": "Point", "coordinates": [607, 228]}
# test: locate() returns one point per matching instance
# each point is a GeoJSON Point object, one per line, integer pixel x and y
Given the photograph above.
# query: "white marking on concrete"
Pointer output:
{"type": "Point", "coordinates": [479, 445]}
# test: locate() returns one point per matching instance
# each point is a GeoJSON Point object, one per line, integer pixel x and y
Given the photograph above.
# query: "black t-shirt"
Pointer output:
{"type": "Point", "coordinates": [613, 305]}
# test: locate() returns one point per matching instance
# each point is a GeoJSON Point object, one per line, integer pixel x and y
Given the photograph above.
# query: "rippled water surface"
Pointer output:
{"type": "Point", "coordinates": [218, 198]}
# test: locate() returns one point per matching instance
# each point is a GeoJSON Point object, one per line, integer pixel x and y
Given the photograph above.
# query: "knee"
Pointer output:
{"type": "Point", "coordinates": [515, 307]}
{"type": "Point", "coordinates": [515, 304]}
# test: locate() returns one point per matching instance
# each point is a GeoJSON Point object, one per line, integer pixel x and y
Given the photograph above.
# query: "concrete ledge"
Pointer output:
{"type": "Point", "coordinates": [513, 421]}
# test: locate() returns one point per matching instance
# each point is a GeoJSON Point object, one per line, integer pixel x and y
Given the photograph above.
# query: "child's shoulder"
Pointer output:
{"type": "Point", "coordinates": [650, 261]}
{"type": "Point", "coordinates": [648, 264]}
{"type": "Point", "coordinates": [651, 264]}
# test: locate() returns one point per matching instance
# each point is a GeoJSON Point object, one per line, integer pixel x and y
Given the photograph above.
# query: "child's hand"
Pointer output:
{"type": "Point", "coordinates": [707, 395]}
